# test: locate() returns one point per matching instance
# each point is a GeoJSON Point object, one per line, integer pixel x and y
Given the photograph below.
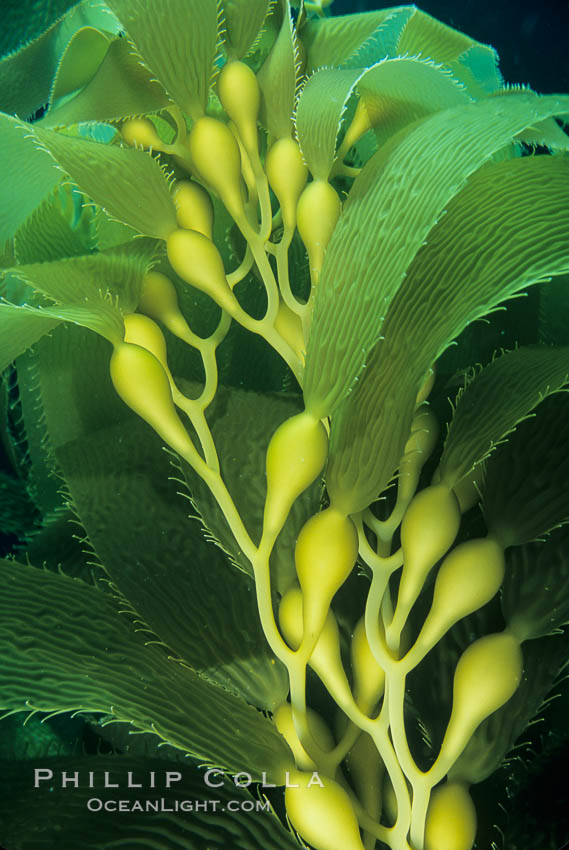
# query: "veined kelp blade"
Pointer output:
{"type": "Point", "coordinates": [129, 183]}
{"type": "Point", "coordinates": [56, 229]}
{"type": "Point", "coordinates": [243, 21]}
{"type": "Point", "coordinates": [495, 401]}
{"type": "Point", "coordinates": [525, 492]}
{"type": "Point", "coordinates": [546, 134]}
{"type": "Point", "coordinates": [178, 42]}
{"type": "Point", "coordinates": [515, 217]}
{"type": "Point", "coordinates": [121, 88]}
{"type": "Point", "coordinates": [80, 61]}
{"type": "Point", "coordinates": [278, 79]}
{"type": "Point", "coordinates": [137, 519]}
{"type": "Point", "coordinates": [395, 201]}
{"type": "Point", "coordinates": [27, 175]}
{"type": "Point", "coordinates": [50, 815]}
{"type": "Point", "coordinates": [19, 330]}
{"type": "Point", "coordinates": [98, 662]}
{"type": "Point", "coordinates": [478, 69]}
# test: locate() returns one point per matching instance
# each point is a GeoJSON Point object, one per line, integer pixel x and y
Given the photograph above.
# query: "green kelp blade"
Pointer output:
{"type": "Point", "coordinates": [393, 204]}
{"type": "Point", "coordinates": [66, 648]}
{"type": "Point", "coordinates": [495, 401]}
{"type": "Point", "coordinates": [242, 424]}
{"type": "Point", "coordinates": [129, 183]}
{"type": "Point", "coordinates": [54, 230]}
{"type": "Point", "coordinates": [121, 88]}
{"type": "Point", "coordinates": [178, 42]}
{"type": "Point", "coordinates": [243, 22]}
{"type": "Point", "coordinates": [334, 40]}
{"type": "Point", "coordinates": [506, 230]}
{"type": "Point", "coordinates": [26, 76]}
{"type": "Point", "coordinates": [134, 507]}
{"type": "Point", "coordinates": [78, 65]}
{"type": "Point", "coordinates": [477, 68]}
{"type": "Point", "coordinates": [189, 815]}
{"type": "Point", "coordinates": [19, 330]}
{"type": "Point", "coordinates": [544, 663]}
{"type": "Point", "coordinates": [525, 491]}
{"type": "Point", "coordinates": [27, 175]}
{"type": "Point", "coordinates": [86, 279]}
{"type": "Point", "coordinates": [278, 79]}
{"type": "Point", "coordinates": [425, 36]}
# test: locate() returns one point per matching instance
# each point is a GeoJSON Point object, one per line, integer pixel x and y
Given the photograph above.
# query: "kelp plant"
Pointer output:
{"type": "Point", "coordinates": [247, 234]}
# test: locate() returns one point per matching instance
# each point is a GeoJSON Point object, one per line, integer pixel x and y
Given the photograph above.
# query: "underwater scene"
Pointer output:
{"type": "Point", "coordinates": [284, 425]}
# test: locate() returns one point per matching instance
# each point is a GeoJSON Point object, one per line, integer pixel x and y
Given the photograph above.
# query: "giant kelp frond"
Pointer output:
{"type": "Point", "coordinates": [178, 42]}
{"type": "Point", "coordinates": [278, 79]}
{"type": "Point", "coordinates": [516, 215]}
{"type": "Point", "coordinates": [496, 401]}
{"type": "Point", "coordinates": [93, 661]}
{"type": "Point", "coordinates": [243, 22]}
{"type": "Point", "coordinates": [332, 41]}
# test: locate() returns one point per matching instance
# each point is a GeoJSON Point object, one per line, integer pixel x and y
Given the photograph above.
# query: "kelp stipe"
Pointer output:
{"type": "Point", "coordinates": [223, 201]}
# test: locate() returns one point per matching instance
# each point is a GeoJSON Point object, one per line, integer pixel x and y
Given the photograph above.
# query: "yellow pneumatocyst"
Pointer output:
{"type": "Point", "coordinates": [295, 456]}
{"type": "Point", "coordinates": [325, 554]}
{"type": "Point", "coordinates": [141, 382]}
{"type": "Point", "coordinates": [287, 175]}
{"type": "Point", "coordinates": [141, 131]}
{"type": "Point", "coordinates": [322, 736]}
{"type": "Point", "coordinates": [289, 326]}
{"type": "Point", "coordinates": [418, 448]}
{"type": "Point", "coordinates": [159, 300]}
{"type": "Point", "coordinates": [194, 209]}
{"type": "Point", "coordinates": [196, 260]}
{"type": "Point", "coordinates": [487, 675]}
{"type": "Point", "coordinates": [369, 677]}
{"type": "Point", "coordinates": [317, 214]}
{"type": "Point", "coordinates": [215, 155]}
{"type": "Point", "coordinates": [141, 330]}
{"type": "Point", "coordinates": [324, 816]}
{"type": "Point", "coordinates": [240, 96]}
{"type": "Point", "coordinates": [451, 819]}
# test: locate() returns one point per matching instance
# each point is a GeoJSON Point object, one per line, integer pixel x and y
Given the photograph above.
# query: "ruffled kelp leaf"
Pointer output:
{"type": "Point", "coordinates": [242, 424]}
{"type": "Point", "coordinates": [120, 484]}
{"type": "Point", "coordinates": [178, 42]}
{"type": "Point", "coordinates": [65, 647]}
{"type": "Point", "coordinates": [544, 662]}
{"type": "Point", "coordinates": [27, 176]}
{"type": "Point", "coordinates": [221, 818]}
{"type": "Point", "coordinates": [23, 22]}
{"type": "Point", "coordinates": [535, 592]}
{"type": "Point", "coordinates": [546, 134]}
{"type": "Point", "coordinates": [129, 183]}
{"type": "Point", "coordinates": [318, 117]}
{"type": "Point", "coordinates": [332, 41]}
{"type": "Point", "coordinates": [516, 215]}
{"type": "Point", "coordinates": [495, 401]}
{"type": "Point", "coordinates": [19, 329]}
{"type": "Point", "coordinates": [425, 36]}
{"type": "Point", "coordinates": [525, 491]}
{"type": "Point", "coordinates": [26, 76]}
{"type": "Point", "coordinates": [122, 87]}
{"type": "Point", "coordinates": [243, 21]}
{"type": "Point", "coordinates": [403, 189]}
{"type": "Point", "coordinates": [278, 79]}
{"type": "Point", "coordinates": [87, 279]}
{"type": "Point", "coordinates": [477, 68]}
{"type": "Point", "coordinates": [55, 229]}
{"type": "Point", "coordinates": [83, 55]}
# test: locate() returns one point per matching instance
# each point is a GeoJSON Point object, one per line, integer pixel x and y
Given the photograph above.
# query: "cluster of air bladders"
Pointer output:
{"type": "Point", "coordinates": [388, 798]}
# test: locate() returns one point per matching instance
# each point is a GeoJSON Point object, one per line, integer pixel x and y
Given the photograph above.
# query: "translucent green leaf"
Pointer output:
{"type": "Point", "coordinates": [79, 63]}
{"type": "Point", "coordinates": [243, 21]}
{"type": "Point", "coordinates": [393, 204]}
{"type": "Point", "coordinates": [278, 80]}
{"type": "Point", "coordinates": [331, 41]}
{"type": "Point", "coordinates": [65, 647]}
{"type": "Point", "coordinates": [506, 230]}
{"type": "Point", "coordinates": [129, 183]}
{"type": "Point", "coordinates": [20, 329]}
{"type": "Point", "coordinates": [177, 40]}
{"type": "Point", "coordinates": [495, 401]}
{"type": "Point", "coordinates": [49, 815]}
{"type": "Point", "coordinates": [122, 488]}
{"type": "Point", "coordinates": [319, 112]}
{"type": "Point", "coordinates": [121, 88]}
{"type": "Point", "coordinates": [27, 176]}
{"type": "Point", "coordinates": [54, 230]}
{"type": "Point", "coordinates": [546, 134]}
{"type": "Point", "coordinates": [478, 69]}
{"type": "Point", "coordinates": [424, 36]}
{"type": "Point", "coordinates": [525, 490]}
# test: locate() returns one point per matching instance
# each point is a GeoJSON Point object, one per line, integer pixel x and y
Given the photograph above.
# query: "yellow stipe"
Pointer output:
{"type": "Point", "coordinates": [216, 158]}
{"type": "Point", "coordinates": [287, 175]}
{"type": "Point", "coordinates": [240, 96]}
{"type": "Point", "coordinates": [317, 214]}
{"type": "Point", "coordinates": [451, 819]}
{"type": "Point", "coordinates": [194, 209]}
{"type": "Point", "coordinates": [196, 260]}
{"type": "Point", "coordinates": [143, 385]}
{"type": "Point", "coordinates": [324, 816]}
{"type": "Point", "coordinates": [141, 131]}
